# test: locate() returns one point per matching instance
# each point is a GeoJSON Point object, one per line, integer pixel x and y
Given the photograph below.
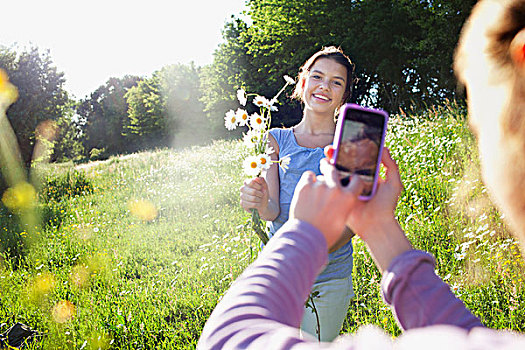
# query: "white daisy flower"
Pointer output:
{"type": "Point", "coordinates": [251, 166]}
{"type": "Point", "coordinates": [261, 101]}
{"type": "Point", "coordinates": [241, 96]}
{"type": "Point", "coordinates": [284, 162]}
{"type": "Point", "coordinates": [289, 80]}
{"type": "Point", "coordinates": [264, 161]}
{"type": "Point", "coordinates": [251, 138]}
{"type": "Point", "coordinates": [230, 120]}
{"type": "Point", "coordinates": [242, 117]}
{"type": "Point", "coordinates": [269, 150]}
{"type": "Point", "coordinates": [257, 122]}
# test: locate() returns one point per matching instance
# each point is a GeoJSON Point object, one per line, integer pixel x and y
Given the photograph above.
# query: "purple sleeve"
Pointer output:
{"type": "Point", "coordinates": [419, 297]}
{"type": "Point", "coordinates": [265, 304]}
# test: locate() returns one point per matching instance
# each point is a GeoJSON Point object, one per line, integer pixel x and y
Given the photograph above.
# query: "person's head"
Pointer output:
{"type": "Point", "coordinates": [490, 62]}
{"type": "Point", "coordinates": [331, 53]}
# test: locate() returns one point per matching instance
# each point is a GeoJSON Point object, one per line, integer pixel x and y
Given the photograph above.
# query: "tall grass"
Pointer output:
{"type": "Point", "coordinates": [140, 257]}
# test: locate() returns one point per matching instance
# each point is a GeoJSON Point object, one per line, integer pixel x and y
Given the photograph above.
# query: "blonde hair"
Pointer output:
{"type": "Point", "coordinates": [485, 50]}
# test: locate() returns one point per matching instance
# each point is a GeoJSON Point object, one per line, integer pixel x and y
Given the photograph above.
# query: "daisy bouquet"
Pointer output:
{"type": "Point", "coordinates": [258, 151]}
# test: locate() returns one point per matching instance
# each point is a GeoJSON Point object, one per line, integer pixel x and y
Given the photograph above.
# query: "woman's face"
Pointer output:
{"type": "Point", "coordinates": [324, 86]}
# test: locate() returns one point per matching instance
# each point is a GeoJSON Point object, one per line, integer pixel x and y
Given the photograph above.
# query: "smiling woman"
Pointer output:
{"type": "Point", "coordinates": [324, 84]}
{"type": "Point", "coordinates": [115, 38]}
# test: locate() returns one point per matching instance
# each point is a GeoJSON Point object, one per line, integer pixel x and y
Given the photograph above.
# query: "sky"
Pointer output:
{"type": "Point", "coordinates": [93, 40]}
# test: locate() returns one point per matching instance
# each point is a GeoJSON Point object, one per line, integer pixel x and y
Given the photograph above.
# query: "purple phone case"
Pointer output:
{"type": "Point", "coordinates": [339, 130]}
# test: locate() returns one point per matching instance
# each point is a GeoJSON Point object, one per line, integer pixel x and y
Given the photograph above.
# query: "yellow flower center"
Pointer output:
{"type": "Point", "coordinates": [263, 160]}
{"type": "Point", "coordinates": [253, 165]}
{"type": "Point", "coordinates": [244, 116]}
{"type": "Point", "coordinates": [233, 120]}
{"type": "Point", "coordinates": [258, 121]}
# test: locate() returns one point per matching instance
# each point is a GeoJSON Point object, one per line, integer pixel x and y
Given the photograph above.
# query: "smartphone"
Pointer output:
{"type": "Point", "coordinates": [358, 143]}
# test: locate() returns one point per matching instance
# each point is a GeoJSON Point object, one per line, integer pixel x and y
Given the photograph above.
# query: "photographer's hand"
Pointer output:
{"type": "Point", "coordinates": [374, 220]}
{"type": "Point", "coordinates": [324, 203]}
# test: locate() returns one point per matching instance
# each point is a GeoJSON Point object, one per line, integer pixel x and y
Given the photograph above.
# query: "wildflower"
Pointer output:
{"type": "Point", "coordinates": [241, 96]}
{"type": "Point", "coordinates": [230, 120]}
{"type": "Point", "coordinates": [261, 101]}
{"type": "Point", "coordinates": [269, 150]}
{"type": "Point", "coordinates": [143, 209]}
{"type": "Point", "coordinates": [264, 161]}
{"type": "Point", "coordinates": [63, 311]}
{"type": "Point", "coordinates": [8, 92]}
{"type": "Point", "coordinates": [257, 122]}
{"type": "Point", "coordinates": [251, 166]}
{"type": "Point", "coordinates": [251, 139]}
{"type": "Point", "coordinates": [289, 80]}
{"type": "Point", "coordinates": [284, 162]}
{"type": "Point", "coordinates": [22, 196]}
{"type": "Point", "coordinates": [242, 117]}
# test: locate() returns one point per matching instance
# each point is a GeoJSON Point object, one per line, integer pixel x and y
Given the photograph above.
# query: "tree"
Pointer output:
{"type": "Point", "coordinates": [104, 114]}
{"type": "Point", "coordinates": [41, 94]}
{"type": "Point", "coordinates": [165, 110]}
{"type": "Point", "coordinates": [402, 49]}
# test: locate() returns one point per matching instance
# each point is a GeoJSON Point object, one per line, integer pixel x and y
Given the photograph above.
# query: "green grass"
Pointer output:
{"type": "Point", "coordinates": [139, 284]}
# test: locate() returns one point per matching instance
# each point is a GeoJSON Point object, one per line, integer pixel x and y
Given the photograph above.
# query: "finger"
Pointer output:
{"type": "Point", "coordinates": [308, 177]}
{"type": "Point", "coordinates": [329, 152]}
{"type": "Point", "coordinates": [252, 183]}
{"type": "Point", "coordinates": [355, 187]}
{"type": "Point", "coordinates": [392, 170]}
{"type": "Point", "coordinates": [251, 192]}
{"type": "Point", "coordinates": [330, 174]}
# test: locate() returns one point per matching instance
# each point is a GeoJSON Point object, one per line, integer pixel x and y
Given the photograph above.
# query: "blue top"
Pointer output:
{"type": "Point", "coordinates": [303, 159]}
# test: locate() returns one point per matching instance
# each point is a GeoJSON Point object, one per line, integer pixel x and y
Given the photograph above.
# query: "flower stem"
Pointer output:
{"type": "Point", "coordinates": [257, 226]}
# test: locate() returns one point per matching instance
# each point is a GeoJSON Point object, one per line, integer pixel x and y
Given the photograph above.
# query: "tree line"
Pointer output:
{"type": "Point", "coordinates": [402, 51]}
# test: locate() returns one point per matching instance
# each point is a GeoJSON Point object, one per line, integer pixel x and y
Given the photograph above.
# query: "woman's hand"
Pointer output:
{"type": "Point", "coordinates": [254, 194]}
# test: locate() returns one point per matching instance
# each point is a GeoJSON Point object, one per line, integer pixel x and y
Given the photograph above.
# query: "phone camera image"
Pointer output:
{"type": "Point", "coordinates": [358, 143]}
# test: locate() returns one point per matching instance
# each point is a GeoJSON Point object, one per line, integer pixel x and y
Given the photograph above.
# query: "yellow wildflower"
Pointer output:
{"type": "Point", "coordinates": [8, 92]}
{"type": "Point", "coordinates": [20, 197]}
{"type": "Point", "coordinates": [63, 311]}
{"type": "Point", "coordinates": [143, 209]}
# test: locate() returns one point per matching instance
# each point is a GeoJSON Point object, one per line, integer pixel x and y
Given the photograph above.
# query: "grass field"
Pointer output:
{"type": "Point", "coordinates": [134, 252]}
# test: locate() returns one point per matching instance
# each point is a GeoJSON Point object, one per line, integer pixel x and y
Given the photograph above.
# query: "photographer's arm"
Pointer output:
{"type": "Point", "coordinates": [418, 296]}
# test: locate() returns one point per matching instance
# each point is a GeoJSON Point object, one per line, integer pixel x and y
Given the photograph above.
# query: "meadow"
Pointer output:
{"type": "Point", "coordinates": [134, 252]}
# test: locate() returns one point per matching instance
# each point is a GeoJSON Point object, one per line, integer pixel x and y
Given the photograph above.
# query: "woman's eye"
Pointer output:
{"type": "Point", "coordinates": [316, 77]}
{"type": "Point", "coordinates": [338, 83]}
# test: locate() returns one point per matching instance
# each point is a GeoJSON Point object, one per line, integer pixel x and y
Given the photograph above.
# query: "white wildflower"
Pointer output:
{"type": "Point", "coordinates": [269, 150]}
{"type": "Point", "coordinates": [257, 122]}
{"type": "Point", "coordinates": [261, 101]}
{"type": "Point", "coordinates": [242, 117]}
{"type": "Point", "coordinates": [230, 120]}
{"type": "Point", "coordinates": [241, 96]}
{"type": "Point", "coordinates": [284, 162]}
{"type": "Point", "coordinates": [264, 161]}
{"type": "Point", "coordinates": [251, 138]}
{"type": "Point", "coordinates": [251, 166]}
{"type": "Point", "coordinates": [289, 80]}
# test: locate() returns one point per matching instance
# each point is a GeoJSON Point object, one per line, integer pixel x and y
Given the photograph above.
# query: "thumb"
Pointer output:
{"type": "Point", "coordinates": [355, 187]}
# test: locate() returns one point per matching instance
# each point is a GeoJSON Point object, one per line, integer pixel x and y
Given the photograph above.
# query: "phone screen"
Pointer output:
{"type": "Point", "coordinates": [359, 147]}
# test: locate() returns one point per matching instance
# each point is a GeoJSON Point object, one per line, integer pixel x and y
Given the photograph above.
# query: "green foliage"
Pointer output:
{"type": "Point", "coordinates": [402, 49]}
{"type": "Point", "coordinates": [104, 116]}
{"type": "Point", "coordinates": [71, 184]}
{"type": "Point", "coordinates": [41, 94]}
{"type": "Point", "coordinates": [165, 109]}
{"type": "Point", "coordinates": [153, 283]}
